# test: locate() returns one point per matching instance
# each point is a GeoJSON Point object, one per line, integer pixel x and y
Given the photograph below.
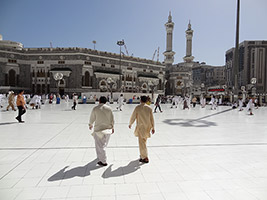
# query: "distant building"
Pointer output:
{"type": "Point", "coordinates": [252, 64]}
{"type": "Point", "coordinates": [83, 70]}
{"type": "Point", "coordinates": [207, 76]}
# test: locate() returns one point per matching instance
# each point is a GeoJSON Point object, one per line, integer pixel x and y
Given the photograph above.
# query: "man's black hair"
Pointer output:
{"type": "Point", "coordinates": [20, 91]}
{"type": "Point", "coordinates": [102, 99]}
{"type": "Point", "coordinates": [144, 99]}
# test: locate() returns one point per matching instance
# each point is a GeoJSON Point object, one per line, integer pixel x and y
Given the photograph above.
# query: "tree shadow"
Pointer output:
{"type": "Point", "coordinates": [78, 171]}
{"type": "Point", "coordinates": [128, 169]}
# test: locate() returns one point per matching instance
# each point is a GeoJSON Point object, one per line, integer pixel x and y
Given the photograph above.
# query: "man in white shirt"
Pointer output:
{"type": "Point", "coordinates": [103, 120]}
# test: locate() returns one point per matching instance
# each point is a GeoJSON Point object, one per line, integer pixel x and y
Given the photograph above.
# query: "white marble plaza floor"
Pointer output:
{"type": "Point", "coordinates": [196, 154]}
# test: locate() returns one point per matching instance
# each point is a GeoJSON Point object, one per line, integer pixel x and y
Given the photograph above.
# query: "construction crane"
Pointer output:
{"type": "Point", "coordinates": [158, 55]}
{"type": "Point", "coordinates": [156, 51]}
{"type": "Point", "coordinates": [126, 50]}
{"type": "Point", "coordinates": [154, 54]}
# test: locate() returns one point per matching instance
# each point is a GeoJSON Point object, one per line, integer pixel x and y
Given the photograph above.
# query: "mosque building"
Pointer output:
{"type": "Point", "coordinates": [81, 70]}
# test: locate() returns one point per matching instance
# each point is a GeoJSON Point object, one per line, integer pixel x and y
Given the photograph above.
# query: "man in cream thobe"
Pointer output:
{"type": "Point", "coordinates": [103, 120]}
{"type": "Point", "coordinates": [144, 124]}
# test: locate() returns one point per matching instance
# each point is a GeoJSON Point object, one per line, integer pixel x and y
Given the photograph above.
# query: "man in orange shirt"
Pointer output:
{"type": "Point", "coordinates": [21, 106]}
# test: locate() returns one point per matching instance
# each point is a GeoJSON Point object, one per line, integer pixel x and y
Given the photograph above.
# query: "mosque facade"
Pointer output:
{"type": "Point", "coordinates": [82, 70]}
{"type": "Point", "coordinates": [79, 70]}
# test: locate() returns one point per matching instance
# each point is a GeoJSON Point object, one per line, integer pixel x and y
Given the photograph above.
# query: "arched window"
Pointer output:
{"type": "Point", "coordinates": [144, 88]}
{"type": "Point", "coordinates": [160, 85]}
{"type": "Point", "coordinates": [12, 77]}
{"type": "Point", "coordinates": [87, 78]}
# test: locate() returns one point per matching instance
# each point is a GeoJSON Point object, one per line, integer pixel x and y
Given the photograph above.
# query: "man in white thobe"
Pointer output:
{"type": "Point", "coordinates": [250, 106]}
{"type": "Point", "coordinates": [203, 101]}
{"type": "Point", "coordinates": [1, 98]}
{"type": "Point", "coordinates": [240, 104]}
{"type": "Point", "coordinates": [212, 103]}
{"type": "Point", "coordinates": [120, 102]}
{"type": "Point", "coordinates": [103, 120]}
{"type": "Point", "coordinates": [177, 100]}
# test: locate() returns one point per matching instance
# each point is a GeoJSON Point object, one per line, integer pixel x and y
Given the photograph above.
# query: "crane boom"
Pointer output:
{"type": "Point", "coordinates": [154, 54]}
{"type": "Point", "coordinates": [126, 50]}
{"type": "Point", "coordinates": [158, 55]}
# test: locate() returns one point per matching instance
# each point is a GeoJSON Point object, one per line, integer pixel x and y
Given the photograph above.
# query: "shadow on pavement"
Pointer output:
{"type": "Point", "coordinates": [8, 123]}
{"type": "Point", "coordinates": [78, 171]}
{"type": "Point", "coordinates": [200, 122]}
{"type": "Point", "coordinates": [189, 122]}
{"type": "Point", "coordinates": [128, 169]}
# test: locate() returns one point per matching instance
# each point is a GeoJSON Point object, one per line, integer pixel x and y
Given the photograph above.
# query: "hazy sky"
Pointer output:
{"type": "Point", "coordinates": [76, 23]}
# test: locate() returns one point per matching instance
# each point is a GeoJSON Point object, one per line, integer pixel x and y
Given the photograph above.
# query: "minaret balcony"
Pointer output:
{"type": "Point", "coordinates": [188, 59]}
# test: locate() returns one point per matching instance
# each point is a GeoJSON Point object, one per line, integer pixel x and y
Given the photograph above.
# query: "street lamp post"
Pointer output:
{"type": "Point", "coordinates": [94, 42]}
{"type": "Point", "coordinates": [236, 57]}
{"type": "Point", "coordinates": [253, 89]}
{"type": "Point", "coordinates": [152, 85]}
{"type": "Point", "coordinates": [120, 43]}
{"type": "Point", "coordinates": [203, 89]}
{"type": "Point", "coordinates": [111, 84]}
{"type": "Point", "coordinates": [58, 77]}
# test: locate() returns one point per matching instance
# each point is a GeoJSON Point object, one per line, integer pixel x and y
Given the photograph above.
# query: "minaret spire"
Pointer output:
{"type": "Point", "coordinates": [189, 25]}
{"type": "Point", "coordinates": [189, 35]}
{"type": "Point", "coordinates": [170, 17]}
{"type": "Point", "coordinates": [169, 54]}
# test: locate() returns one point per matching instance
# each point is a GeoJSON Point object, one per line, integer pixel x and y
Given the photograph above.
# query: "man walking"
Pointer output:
{"type": "Point", "coordinates": [11, 100]}
{"type": "Point", "coordinates": [194, 102]}
{"type": "Point", "coordinates": [144, 124]}
{"type": "Point", "coordinates": [120, 102]}
{"type": "Point", "coordinates": [103, 120]}
{"type": "Point", "coordinates": [157, 104]}
{"type": "Point", "coordinates": [250, 106]}
{"type": "Point", "coordinates": [21, 106]}
{"type": "Point", "coordinates": [75, 100]}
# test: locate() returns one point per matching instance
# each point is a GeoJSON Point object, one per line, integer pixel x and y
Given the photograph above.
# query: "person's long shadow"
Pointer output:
{"type": "Point", "coordinates": [8, 123]}
{"type": "Point", "coordinates": [130, 168]}
{"type": "Point", "coordinates": [78, 171]}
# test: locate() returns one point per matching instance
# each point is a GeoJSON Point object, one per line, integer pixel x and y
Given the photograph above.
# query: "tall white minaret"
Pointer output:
{"type": "Point", "coordinates": [169, 54]}
{"type": "Point", "coordinates": [189, 35]}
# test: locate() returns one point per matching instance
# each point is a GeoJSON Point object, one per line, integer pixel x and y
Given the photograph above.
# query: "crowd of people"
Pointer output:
{"type": "Point", "coordinates": [35, 101]}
